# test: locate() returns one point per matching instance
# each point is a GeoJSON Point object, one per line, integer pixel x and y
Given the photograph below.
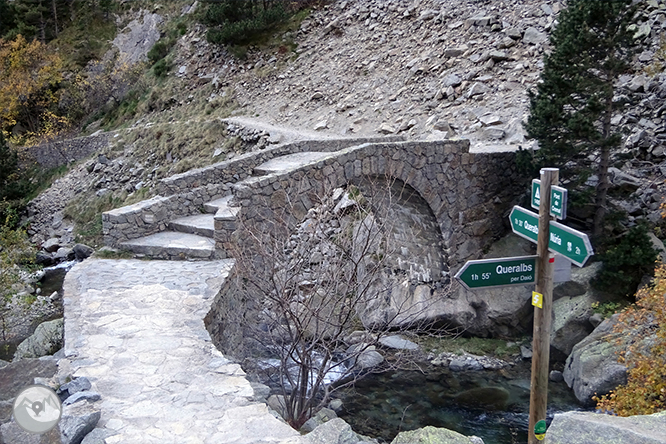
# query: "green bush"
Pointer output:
{"type": "Point", "coordinates": [158, 51]}
{"type": "Point", "coordinates": [234, 22]}
{"type": "Point", "coordinates": [626, 262]}
{"type": "Point", "coordinates": [15, 185]}
{"type": "Point", "coordinates": [161, 68]}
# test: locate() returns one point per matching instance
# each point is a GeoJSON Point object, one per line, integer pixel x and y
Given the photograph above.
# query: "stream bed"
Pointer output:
{"type": "Point", "coordinates": [493, 405]}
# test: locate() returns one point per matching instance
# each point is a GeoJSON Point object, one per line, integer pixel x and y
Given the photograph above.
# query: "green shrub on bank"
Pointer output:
{"type": "Point", "coordinates": [237, 22]}
{"type": "Point", "coordinates": [626, 262]}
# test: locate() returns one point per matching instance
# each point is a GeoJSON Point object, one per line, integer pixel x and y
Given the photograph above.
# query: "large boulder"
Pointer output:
{"type": "Point", "coordinates": [77, 421]}
{"type": "Point", "coordinates": [12, 433]}
{"type": "Point", "coordinates": [592, 367]}
{"type": "Point", "coordinates": [503, 311]}
{"type": "Point", "coordinates": [431, 435]}
{"type": "Point", "coordinates": [572, 308]}
{"type": "Point", "coordinates": [46, 340]}
{"type": "Point", "coordinates": [335, 431]}
{"type": "Point", "coordinates": [594, 428]}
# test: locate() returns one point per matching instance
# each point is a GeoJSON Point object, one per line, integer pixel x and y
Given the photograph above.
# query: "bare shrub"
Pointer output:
{"type": "Point", "coordinates": [314, 291]}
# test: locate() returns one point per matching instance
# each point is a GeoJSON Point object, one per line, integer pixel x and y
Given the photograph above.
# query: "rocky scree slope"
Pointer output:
{"type": "Point", "coordinates": [419, 68]}
{"type": "Point", "coordinates": [436, 69]}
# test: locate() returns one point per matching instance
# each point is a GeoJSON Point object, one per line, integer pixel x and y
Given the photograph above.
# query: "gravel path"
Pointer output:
{"type": "Point", "coordinates": [135, 329]}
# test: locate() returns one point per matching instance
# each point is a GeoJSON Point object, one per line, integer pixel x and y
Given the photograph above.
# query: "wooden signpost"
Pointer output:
{"type": "Point", "coordinates": [551, 238]}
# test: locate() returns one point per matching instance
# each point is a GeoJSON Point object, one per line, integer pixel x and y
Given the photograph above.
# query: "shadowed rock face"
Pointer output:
{"type": "Point", "coordinates": [15, 376]}
{"type": "Point", "coordinates": [592, 367]}
{"type": "Point", "coordinates": [416, 241]}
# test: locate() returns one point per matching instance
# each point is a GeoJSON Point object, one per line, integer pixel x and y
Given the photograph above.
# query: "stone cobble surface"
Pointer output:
{"type": "Point", "coordinates": [135, 329]}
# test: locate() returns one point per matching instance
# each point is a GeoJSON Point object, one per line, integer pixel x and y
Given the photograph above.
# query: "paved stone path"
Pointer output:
{"type": "Point", "coordinates": [135, 329]}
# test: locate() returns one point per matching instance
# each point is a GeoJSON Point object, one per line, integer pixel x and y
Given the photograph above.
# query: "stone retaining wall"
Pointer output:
{"type": "Point", "coordinates": [153, 215]}
{"type": "Point", "coordinates": [54, 154]}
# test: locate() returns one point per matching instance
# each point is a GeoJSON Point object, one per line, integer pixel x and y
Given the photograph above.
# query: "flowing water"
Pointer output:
{"type": "Point", "coordinates": [493, 405]}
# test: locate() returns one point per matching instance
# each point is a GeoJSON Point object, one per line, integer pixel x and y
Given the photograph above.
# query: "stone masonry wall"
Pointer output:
{"type": "Point", "coordinates": [184, 194]}
{"type": "Point", "coordinates": [54, 154]}
{"type": "Point", "coordinates": [237, 169]}
{"type": "Point", "coordinates": [469, 194]}
{"type": "Point", "coordinates": [153, 215]}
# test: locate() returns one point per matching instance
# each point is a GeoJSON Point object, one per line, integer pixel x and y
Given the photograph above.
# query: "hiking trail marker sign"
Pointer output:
{"type": "Point", "coordinates": [501, 272]}
{"type": "Point", "coordinates": [555, 241]}
{"type": "Point", "coordinates": [558, 199]}
{"type": "Point", "coordinates": [572, 244]}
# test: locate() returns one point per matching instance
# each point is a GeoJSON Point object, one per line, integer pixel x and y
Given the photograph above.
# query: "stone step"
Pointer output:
{"type": "Point", "coordinates": [172, 245]}
{"type": "Point", "coordinates": [200, 224]}
{"type": "Point", "coordinates": [214, 205]}
{"type": "Point", "coordinates": [288, 162]}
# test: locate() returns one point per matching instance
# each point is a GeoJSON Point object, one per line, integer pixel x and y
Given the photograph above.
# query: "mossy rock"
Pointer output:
{"type": "Point", "coordinates": [431, 435]}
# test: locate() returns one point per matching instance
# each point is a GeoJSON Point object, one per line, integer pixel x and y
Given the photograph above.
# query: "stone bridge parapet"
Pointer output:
{"type": "Point", "coordinates": [469, 194]}
{"type": "Point", "coordinates": [184, 194]}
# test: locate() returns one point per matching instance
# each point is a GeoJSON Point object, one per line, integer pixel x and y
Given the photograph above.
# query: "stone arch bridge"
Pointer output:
{"type": "Point", "coordinates": [135, 329]}
{"type": "Point", "coordinates": [467, 195]}
{"type": "Point", "coordinates": [450, 204]}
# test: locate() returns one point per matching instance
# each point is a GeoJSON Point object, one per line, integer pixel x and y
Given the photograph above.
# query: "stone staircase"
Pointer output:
{"type": "Point", "coordinates": [188, 237]}
{"type": "Point", "coordinates": [195, 211]}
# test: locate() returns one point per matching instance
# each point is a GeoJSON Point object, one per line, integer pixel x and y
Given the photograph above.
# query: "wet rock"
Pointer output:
{"type": "Point", "coordinates": [82, 251]}
{"type": "Point", "coordinates": [64, 254]}
{"type": "Point", "coordinates": [398, 343]}
{"type": "Point", "coordinates": [44, 259]}
{"type": "Point", "coordinates": [487, 398]}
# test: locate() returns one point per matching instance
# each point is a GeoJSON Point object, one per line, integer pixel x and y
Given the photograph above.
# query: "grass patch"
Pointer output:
{"type": "Point", "coordinates": [113, 254]}
{"type": "Point", "coordinates": [86, 212]}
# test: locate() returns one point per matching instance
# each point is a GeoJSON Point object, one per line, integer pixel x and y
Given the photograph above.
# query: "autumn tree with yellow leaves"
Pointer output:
{"type": "Point", "coordinates": [30, 80]}
{"type": "Point", "coordinates": [645, 390]}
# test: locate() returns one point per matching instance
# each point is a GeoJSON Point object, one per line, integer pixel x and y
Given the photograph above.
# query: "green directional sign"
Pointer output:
{"type": "Point", "coordinates": [486, 273]}
{"type": "Point", "coordinates": [558, 199]}
{"type": "Point", "coordinates": [525, 223]}
{"type": "Point", "coordinates": [558, 202]}
{"type": "Point", "coordinates": [570, 243]}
